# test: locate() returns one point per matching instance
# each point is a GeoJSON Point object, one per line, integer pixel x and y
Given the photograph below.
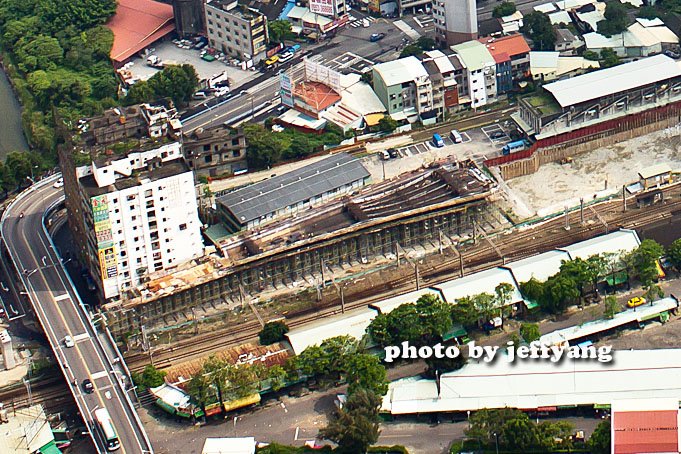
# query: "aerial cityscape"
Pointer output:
{"type": "Point", "coordinates": [352, 226]}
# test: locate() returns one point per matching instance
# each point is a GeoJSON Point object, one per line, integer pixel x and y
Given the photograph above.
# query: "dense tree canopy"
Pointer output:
{"type": "Point", "coordinates": [538, 27]}
{"type": "Point", "coordinates": [356, 426]}
{"type": "Point", "coordinates": [279, 31]}
{"type": "Point", "coordinates": [674, 253]}
{"type": "Point", "coordinates": [273, 332]}
{"type": "Point", "coordinates": [615, 19]}
{"type": "Point", "coordinates": [504, 9]}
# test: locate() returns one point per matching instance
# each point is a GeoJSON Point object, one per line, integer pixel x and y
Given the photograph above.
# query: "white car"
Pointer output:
{"type": "Point", "coordinates": [286, 56]}
{"type": "Point", "coordinates": [59, 183]}
{"type": "Point", "coordinates": [68, 341]}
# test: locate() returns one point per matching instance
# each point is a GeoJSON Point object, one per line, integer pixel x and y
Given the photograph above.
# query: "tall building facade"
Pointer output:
{"type": "Point", "coordinates": [189, 17]}
{"type": "Point", "coordinates": [456, 21]}
{"type": "Point", "coordinates": [139, 214]}
{"type": "Point", "coordinates": [236, 30]}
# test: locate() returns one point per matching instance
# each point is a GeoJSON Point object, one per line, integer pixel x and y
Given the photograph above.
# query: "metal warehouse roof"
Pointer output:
{"type": "Point", "coordinates": [613, 80]}
{"type": "Point", "coordinates": [617, 242]}
{"type": "Point", "coordinates": [352, 324]}
{"type": "Point", "coordinates": [269, 196]}
{"type": "Point", "coordinates": [531, 384]}
{"type": "Point", "coordinates": [387, 305]}
{"type": "Point", "coordinates": [540, 267]}
{"type": "Point", "coordinates": [474, 284]}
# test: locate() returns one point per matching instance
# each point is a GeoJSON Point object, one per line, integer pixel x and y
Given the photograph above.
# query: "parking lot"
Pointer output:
{"type": "Point", "coordinates": [428, 145]}
{"type": "Point", "coordinates": [168, 51]}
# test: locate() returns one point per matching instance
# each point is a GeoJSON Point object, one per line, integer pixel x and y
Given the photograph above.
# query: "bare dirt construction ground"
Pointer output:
{"type": "Point", "coordinates": [598, 172]}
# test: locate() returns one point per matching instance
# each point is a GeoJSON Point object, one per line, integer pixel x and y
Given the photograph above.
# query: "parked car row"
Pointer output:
{"type": "Point", "coordinates": [283, 55]}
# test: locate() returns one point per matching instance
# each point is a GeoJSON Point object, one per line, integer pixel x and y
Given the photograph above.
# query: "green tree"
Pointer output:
{"type": "Point", "coordinates": [643, 261]}
{"type": "Point", "coordinates": [264, 149]}
{"type": "Point", "coordinates": [215, 371]}
{"type": "Point", "coordinates": [609, 58]}
{"type": "Point", "coordinates": [591, 55]}
{"type": "Point", "coordinates": [578, 271]}
{"type": "Point", "coordinates": [549, 432]}
{"type": "Point", "coordinates": [674, 253]}
{"type": "Point", "coordinates": [530, 332]}
{"type": "Point", "coordinates": [277, 376]}
{"type": "Point", "coordinates": [503, 294]}
{"type": "Point", "coordinates": [273, 332]}
{"type": "Point", "coordinates": [504, 9]}
{"type": "Point", "coordinates": [519, 433]}
{"type": "Point", "coordinates": [175, 82]}
{"type": "Point", "coordinates": [356, 426]}
{"type": "Point", "coordinates": [485, 304]}
{"type": "Point", "coordinates": [149, 378]}
{"type": "Point", "coordinates": [464, 312]}
{"type": "Point", "coordinates": [434, 315]}
{"type": "Point", "coordinates": [559, 291]}
{"type": "Point", "coordinates": [533, 290]}
{"type": "Point", "coordinates": [365, 371]}
{"type": "Point", "coordinates": [411, 49]}
{"type": "Point", "coordinates": [241, 382]}
{"type": "Point", "coordinates": [379, 330]}
{"type": "Point", "coordinates": [438, 366]}
{"type": "Point", "coordinates": [596, 268]}
{"type": "Point", "coordinates": [387, 124]}
{"type": "Point", "coordinates": [599, 442]}
{"type": "Point", "coordinates": [279, 31]}
{"type": "Point", "coordinates": [615, 19]}
{"type": "Point", "coordinates": [486, 422]}
{"type": "Point", "coordinates": [610, 307]}
{"type": "Point", "coordinates": [426, 43]}
{"type": "Point", "coordinates": [538, 27]}
{"type": "Point", "coordinates": [653, 293]}
{"type": "Point", "coordinates": [42, 52]}
{"type": "Point", "coordinates": [647, 12]}
{"type": "Point", "coordinates": [57, 15]}
{"type": "Point", "coordinates": [199, 389]}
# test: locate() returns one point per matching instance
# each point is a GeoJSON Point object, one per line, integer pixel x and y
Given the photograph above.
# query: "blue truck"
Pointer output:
{"type": "Point", "coordinates": [437, 141]}
{"type": "Point", "coordinates": [512, 147]}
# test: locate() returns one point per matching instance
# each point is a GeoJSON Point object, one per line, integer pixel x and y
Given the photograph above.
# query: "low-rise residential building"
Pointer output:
{"type": "Point", "coordinates": [511, 54]}
{"type": "Point", "coordinates": [567, 43]}
{"type": "Point", "coordinates": [404, 87]}
{"type": "Point", "coordinates": [443, 78]}
{"type": "Point", "coordinates": [480, 67]}
{"type": "Point", "coordinates": [236, 30]}
{"type": "Point", "coordinates": [549, 66]}
{"type": "Point", "coordinates": [215, 152]}
{"type": "Point", "coordinates": [641, 39]}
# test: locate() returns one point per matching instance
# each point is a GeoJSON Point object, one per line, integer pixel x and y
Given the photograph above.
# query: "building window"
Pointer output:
{"type": "Point", "coordinates": [148, 193]}
{"type": "Point", "coordinates": [183, 226]}
{"type": "Point", "coordinates": [139, 259]}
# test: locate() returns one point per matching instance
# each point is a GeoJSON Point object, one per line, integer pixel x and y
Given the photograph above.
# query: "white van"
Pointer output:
{"type": "Point", "coordinates": [456, 137]}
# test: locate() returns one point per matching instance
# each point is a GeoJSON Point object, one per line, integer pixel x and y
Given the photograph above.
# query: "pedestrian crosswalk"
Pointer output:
{"type": "Point", "coordinates": [354, 22]}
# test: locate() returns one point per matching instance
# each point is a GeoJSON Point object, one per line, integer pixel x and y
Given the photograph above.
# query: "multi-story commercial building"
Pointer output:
{"type": "Point", "coordinates": [480, 69]}
{"type": "Point", "coordinates": [511, 55]}
{"type": "Point", "coordinates": [404, 88]}
{"type": "Point", "coordinates": [330, 8]}
{"type": "Point", "coordinates": [456, 21]}
{"type": "Point", "coordinates": [139, 214]}
{"type": "Point", "coordinates": [216, 151]}
{"type": "Point", "coordinates": [236, 30]}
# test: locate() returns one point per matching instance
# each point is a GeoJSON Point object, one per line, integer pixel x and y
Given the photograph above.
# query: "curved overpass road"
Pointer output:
{"type": "Point", "coordinates": [59, 310]}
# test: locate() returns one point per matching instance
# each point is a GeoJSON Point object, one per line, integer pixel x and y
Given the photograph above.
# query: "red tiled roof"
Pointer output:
{"type": "Point", "coordinates": [137, 24]}
{"type": "Point", "coordinates": [316, 95]}
{"type": "Point", "coordinates": [509, 45]}
{"type": "Point", "coordinates": [645, 432]}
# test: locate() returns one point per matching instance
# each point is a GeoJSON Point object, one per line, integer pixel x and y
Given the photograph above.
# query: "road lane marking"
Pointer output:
{"type": "Point", "coordinates": [100, 374]}
{"type": "Point", "coordinates": [63, 297]}
{"type": "Point", "coordinates": [81, 336]}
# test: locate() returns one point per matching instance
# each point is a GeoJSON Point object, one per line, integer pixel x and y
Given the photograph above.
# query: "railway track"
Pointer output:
{"type": "Point", "coordinates": [51, 392]}
{"type": "Point", "coordinates": [520, 244]}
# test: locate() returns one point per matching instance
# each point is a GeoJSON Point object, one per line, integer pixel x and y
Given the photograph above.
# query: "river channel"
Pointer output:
{"type": "Point", "coordinates": [11, 135]}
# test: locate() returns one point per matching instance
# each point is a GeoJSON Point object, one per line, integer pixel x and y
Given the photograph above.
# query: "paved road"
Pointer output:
{"type": "Point", "coordinates": [57, 307]}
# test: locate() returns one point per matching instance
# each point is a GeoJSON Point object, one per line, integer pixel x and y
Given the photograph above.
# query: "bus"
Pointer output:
{"type": "Point", "coordinates": [106, 429]}
{"type": "Point", "coordinates": [512, 147]}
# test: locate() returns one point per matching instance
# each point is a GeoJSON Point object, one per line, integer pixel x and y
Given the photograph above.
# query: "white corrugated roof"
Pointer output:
{"type": "Point", "coordinates": [543, 59]}
{"type": "Point", "coordinates": [560, 17]}
{"type": "Point", "coordinates": [474, 284]}
{"type": "Point", "coordinates": [617, 79]}
{"type": "Point", "coordinates": [661, 404]}
{"type": "Point", "coordinates": [597, 326]}
{"type": "Point", "coordinates": [545, 8]}
{"type": "Point", "coordinates": [526, 384]}
{"type": "Point", "coordinates": [401, 71]}
{"type": "Point", "coordinates": [650, 22]}
{"type": "Point", "coordinates": [621, 241]}
{"type": "Point", "coordinates": [540, 267]}
{"type": "Point", "coordinates": [444, 65]}
{"type": "Point", "coordinates": [592, 18]}
{"type": "Point", "coordinates": [229, 445]}
{"type": "Point", "coordinates": [389, 304]}
{"type": "Point", "coordinates": [352, 324]}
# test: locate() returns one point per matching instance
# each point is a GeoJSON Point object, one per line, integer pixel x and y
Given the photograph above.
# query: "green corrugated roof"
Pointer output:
{"type": "Point", "coordinates": [50, 448]}
{"type": "Point", "coordinates": [617, 278]}
{"type": "Point", "coordinates": [531, 304]}
{"type": "Point", "coordinates": [456, 331]}
{"type": "Point", "coordinates": [216, 232]}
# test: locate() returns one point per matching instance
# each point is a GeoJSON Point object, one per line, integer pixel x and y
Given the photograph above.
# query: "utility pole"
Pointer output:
{"type": "Point", "coordinates": [321, 269]}
{"type": "Point", "coordinates": [383, 165]}
{"type": "Point", "coordinates": [624, 198]}
{"type": "Point", "coordinates": [439, 234]}
{"type": "Point", "coordinates": [397, 253]}
{"type": "Point", "coordinates": [416, 272]}
{"type": "Point", "coordinates": [567, 219]}
{"type": "Point", "coordinates": [581, 210]}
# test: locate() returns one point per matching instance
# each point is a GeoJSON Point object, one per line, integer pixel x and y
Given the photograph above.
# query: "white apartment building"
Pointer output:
{"type": "Point", "coordinates": [456, 21]}
{"type": "Point", "coordinates": [404, 87]}
{"type": "Point", "coordinates": [141, 216]}
{"type": "Point", "coordinates": [480, 67]}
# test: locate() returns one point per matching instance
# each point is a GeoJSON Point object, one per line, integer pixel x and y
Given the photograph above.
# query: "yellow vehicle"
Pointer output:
{"type": "Point", "coordinates": [636, 301]}
{"type": "Point", "coordinates": [272, 60]}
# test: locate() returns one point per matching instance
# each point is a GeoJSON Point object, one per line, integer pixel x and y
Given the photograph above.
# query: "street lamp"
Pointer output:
{"type": "Point", "coordinates": [496, 441]}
